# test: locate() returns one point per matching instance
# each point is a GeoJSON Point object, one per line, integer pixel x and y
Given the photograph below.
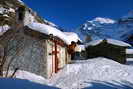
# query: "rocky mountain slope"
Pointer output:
{"type": "Point", "coordinates": [101, 28]}
{"type": "Point", "coordinates": [8, 15]}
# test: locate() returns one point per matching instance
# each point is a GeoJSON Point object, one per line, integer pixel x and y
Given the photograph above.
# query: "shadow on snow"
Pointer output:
{"type": "Point", "coordinates": [10, 83]}
{"type": "Point", "coordinates": [107, 85]}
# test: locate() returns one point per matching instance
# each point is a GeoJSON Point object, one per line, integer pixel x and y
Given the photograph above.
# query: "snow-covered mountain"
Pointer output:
{"type": "Point", "coordinates": [101, 28]}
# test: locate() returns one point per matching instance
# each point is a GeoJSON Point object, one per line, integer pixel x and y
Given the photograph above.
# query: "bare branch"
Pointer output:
{"type": "Point", "coordinates": [16, 69]}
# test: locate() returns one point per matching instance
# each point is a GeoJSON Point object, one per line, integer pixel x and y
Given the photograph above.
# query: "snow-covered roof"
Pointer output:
{"type": "Point", "coordinates": [93, 43]}
{"type": "Point", "coordinates": [110, 41]}
{"type": "Point", "coordinates": [72, 36]}
{"type": "Point", "coordinates": [46, 29]}
{"type": "Point", "coordinates": [117, 42]}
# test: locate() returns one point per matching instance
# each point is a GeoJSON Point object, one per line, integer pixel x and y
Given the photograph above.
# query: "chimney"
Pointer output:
{"type": "Point", "coordinates": [20, 15]}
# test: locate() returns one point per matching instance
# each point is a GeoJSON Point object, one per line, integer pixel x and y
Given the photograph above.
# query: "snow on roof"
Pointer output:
{"type": "Point", "coordinates": [46, 29]}
{"type": "Point", "coordinates": [94, 43]}
{"type": "Point", "coordinates": [72, 36]}
{"type": "Point", "coordinates": [117, 42]}
{"type": "Point", "coordinates": [110, 41]}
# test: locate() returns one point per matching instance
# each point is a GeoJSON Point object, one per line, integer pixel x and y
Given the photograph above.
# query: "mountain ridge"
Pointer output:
{"type": "Point", "coordinates": [101, 28]}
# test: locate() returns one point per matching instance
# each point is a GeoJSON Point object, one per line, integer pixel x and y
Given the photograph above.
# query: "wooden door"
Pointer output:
{"type": "Point", "coordinates": [50, 58]}
{"type": "Point", "coordinates": [62, 57]}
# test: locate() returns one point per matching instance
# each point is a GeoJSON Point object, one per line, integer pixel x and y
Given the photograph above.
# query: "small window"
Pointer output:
{"type": "Point", "coordinates": [21, 13]}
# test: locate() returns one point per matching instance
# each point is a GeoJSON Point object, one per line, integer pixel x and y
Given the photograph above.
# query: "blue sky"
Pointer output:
{"type": "Point", "coordinates": [70, 14]}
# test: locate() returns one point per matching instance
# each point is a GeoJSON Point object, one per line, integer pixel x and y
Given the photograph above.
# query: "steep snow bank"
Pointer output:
{"type": "Point", "coordinates": [82, 73]}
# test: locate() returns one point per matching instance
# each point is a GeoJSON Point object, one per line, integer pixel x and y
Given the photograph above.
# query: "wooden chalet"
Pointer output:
{"type": "Point", "coordinates": [108, 48]}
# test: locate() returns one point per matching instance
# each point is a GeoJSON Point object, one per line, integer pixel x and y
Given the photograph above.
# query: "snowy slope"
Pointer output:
{"type": "Point", "coordinates": [21, 74]}
{"type": "Point", "coordinates": [31, 77]}
{"type": "Point", "coordinates": [101, 28]}
{"type": "Point", "coordinates": [93, 74]}
{"type": "Point", "coordinates": [97, 73]}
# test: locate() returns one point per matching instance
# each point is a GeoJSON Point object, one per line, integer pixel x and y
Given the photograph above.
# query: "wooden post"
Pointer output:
{"type": "Point", "coordinates": [56, 58]}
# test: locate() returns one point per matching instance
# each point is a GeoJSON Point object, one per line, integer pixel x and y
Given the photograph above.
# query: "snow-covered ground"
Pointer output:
{"type": "Point", "coordinates": [21, 74]}
{"type": "Point", "coordinates": [30, 76]}
{"type": "Point", "coordinates": [97, 73]}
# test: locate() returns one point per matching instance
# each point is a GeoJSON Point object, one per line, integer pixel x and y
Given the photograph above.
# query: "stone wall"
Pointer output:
{"type": "Point", "coordinates": [26, 53]}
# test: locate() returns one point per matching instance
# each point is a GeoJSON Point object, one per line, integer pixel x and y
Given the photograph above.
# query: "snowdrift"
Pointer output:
{"type": "Point", "coordinates": [83, 74]}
